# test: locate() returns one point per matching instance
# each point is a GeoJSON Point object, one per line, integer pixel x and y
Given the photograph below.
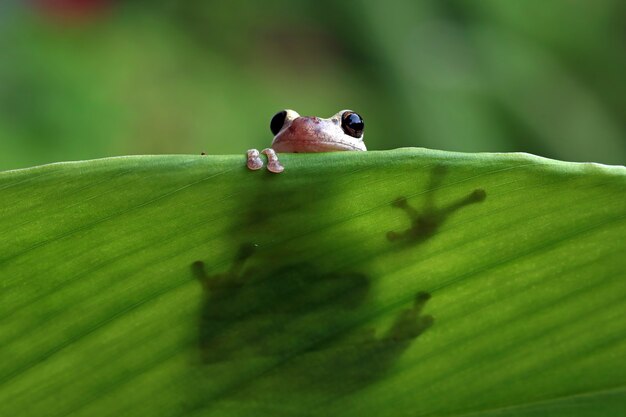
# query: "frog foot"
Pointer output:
{"type": "Point", "coordinates": [411, 323]}
{"type": "Point", "coordinates": [255, 162]}
{"type": "Point", "coordinates": [273, 164]}
{"type": "Point", "coordinates": [254, 159]}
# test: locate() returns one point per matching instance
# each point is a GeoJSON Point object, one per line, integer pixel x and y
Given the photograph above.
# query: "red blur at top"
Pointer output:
{"type": "Point", "coordinates": [72, 10]}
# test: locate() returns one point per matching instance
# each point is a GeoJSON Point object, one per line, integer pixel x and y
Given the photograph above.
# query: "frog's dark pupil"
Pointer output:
{"type": "Point", "coordinates": [352, 124]}
{"type": "Point", "coordinates": [278, 121]}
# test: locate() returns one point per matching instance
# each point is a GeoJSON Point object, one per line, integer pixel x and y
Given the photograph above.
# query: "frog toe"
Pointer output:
{"type": "Point", "coordinates": [273, 164]}
{"type": "Point", "coordinates": [254, 160]}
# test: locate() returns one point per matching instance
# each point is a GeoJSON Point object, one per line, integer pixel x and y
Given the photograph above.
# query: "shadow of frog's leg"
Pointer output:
{"type": "Point", "coordinates": [413, 214]}
{"type": "Point", "coordinates": [273, 164]}
{"type": "Point", "coordinates": [234, 275]}
{"type": "Point", "coordinates": [401, 202]}
{"type": "Point", "coordinates": [254, 159]}
{"type": "Point", "coordinates": [409, 324]}
{"type": "Point", "coordinates": [476, 196]}
{"type": "Point", "coordinates": [245, 251]}
{"type": "Point", "coordinates": [199, 271]}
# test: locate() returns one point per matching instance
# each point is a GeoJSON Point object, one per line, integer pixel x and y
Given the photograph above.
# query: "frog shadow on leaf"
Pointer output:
{"type": "Point", "coordinates": [302, 318]}
{"type": "Point", "coordinates": [310, 322]}
{"type": "Point", "coordinates": [427, 221]}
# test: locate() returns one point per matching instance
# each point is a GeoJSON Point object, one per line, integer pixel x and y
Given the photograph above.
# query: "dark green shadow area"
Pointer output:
{"type": "Point", "coordinates": [293, 315]}
{"type": "Point", "coordinates": [426, 221]}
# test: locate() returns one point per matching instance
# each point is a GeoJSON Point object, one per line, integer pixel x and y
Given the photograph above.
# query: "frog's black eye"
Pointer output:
{"type": "Point", "coordinates": [352, 124]}
{"type": "Point", "coordinates": [278, 121]}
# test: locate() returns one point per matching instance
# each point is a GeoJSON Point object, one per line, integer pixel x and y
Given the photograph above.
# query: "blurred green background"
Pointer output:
{"type": "Point", "coordinates": [93, 78]}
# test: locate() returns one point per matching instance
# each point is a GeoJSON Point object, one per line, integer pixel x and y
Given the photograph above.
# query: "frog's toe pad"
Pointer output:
{"type": "Point", "coordinates": [254, 159]}
{"type": "Point", "coordinates": [275, 167]}
{"type": "Point", "coordinates": [273, 164]}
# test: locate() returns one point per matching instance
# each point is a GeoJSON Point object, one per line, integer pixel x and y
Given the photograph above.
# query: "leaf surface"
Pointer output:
{"type": "Point", "coordinates": [398, 283]}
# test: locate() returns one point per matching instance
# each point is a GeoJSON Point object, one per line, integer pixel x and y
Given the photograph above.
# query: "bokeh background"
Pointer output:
{"type": "Point", "coordinates": [94, 78]}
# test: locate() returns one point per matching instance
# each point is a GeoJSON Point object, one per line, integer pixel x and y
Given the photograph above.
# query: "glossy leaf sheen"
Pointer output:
{"type": "Point", "coordinates": [396, 283]}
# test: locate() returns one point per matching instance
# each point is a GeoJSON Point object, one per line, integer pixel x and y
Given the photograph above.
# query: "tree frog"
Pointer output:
{"type": "Point", "coordinates": [294, 133]}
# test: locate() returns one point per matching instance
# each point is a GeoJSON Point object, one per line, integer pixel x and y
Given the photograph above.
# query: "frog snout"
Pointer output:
{"type": "Point", "coordinates": [309, 119]}
{"type": "Point", "coordinates": [304, 124]}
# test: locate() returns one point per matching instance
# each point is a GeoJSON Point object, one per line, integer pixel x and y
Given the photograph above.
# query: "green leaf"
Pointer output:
{"type": "Point", "coordinates": [397, 283]}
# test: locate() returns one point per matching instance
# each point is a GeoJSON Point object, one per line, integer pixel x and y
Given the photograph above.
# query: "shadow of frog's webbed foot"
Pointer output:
{"type": "Point", "coordinates": [410, 323]}
{"type": "Point", "coordinates": [425, 224]}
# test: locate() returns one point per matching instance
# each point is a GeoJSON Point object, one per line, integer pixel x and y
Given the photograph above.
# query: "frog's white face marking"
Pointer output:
{"type": "Point", "coordinates": [295, 133]}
